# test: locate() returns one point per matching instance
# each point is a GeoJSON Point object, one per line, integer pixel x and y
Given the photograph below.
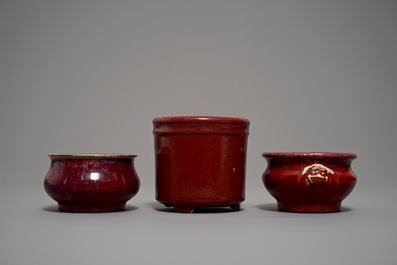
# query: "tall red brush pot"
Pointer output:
{"type": "Point", "coordinates": [87, 183]}
{"type": "Point", "coordinates": [309, 182]}
{"type": "Point", "coordinates": [200, 161]}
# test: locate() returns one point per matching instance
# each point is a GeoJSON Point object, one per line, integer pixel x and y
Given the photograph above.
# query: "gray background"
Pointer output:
{"type": "Point", "coordinates": [89, 76]}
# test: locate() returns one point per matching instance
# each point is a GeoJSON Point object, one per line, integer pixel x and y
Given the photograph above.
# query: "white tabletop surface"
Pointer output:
{"type": "Point", "coordinates": [34, 232]}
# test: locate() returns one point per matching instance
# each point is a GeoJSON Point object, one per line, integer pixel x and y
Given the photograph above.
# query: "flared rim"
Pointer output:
{"type": "Point", "coordinates": [200, 119]}
{"type": "Point", "coordinates": [91, 156]}
{"type": "Point", "coordinates": [309, 155]}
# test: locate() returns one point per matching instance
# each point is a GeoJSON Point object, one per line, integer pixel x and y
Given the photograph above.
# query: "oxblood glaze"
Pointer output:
{"type": "Point", "coordinates": [200, 161]}
{"type": "Point", "coordinates": [91, 182]}
{"type": "Point", "coordinates": [309, 182]}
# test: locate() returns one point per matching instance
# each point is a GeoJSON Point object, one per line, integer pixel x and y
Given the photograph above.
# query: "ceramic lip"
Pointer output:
{"type": "Point", "coordinates": [200, 119]}
{"type": "Point", "coordinates": [309, 155]}
{"type": "Point", "coordinates": [91, 156]}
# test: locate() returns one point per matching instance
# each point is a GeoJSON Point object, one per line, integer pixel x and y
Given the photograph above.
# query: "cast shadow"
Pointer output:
{"type": "Point", "coordinates": [272, 207]}
{"type": "Point", "coordinates": [205, 210]}
{"type": "Point", "coordinates": [54, 208]}
{"type": "Point", "coordinates": [268, 207]}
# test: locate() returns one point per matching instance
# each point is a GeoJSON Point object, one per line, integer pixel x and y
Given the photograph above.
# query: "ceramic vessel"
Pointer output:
{"type": "Point", "coordinates": [200, 161]}
{"type": "Point", "coordinates": [309, 182]}
{"type": "Point", "coordinates": [91, 182]}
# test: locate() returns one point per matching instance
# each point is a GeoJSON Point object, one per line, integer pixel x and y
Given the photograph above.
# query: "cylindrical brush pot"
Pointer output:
{"type": "Point", "coordinates": [200, 161]}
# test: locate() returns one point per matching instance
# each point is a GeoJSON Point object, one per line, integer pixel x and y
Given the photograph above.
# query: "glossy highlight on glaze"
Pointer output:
{"type": "Point", "coordinates": [200, 161]}
{"type": "Point", "coordinates": [91, 182]}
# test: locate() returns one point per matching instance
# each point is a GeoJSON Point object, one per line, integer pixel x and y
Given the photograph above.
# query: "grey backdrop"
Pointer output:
{"type": "Point", "coordinates": [89, 76]}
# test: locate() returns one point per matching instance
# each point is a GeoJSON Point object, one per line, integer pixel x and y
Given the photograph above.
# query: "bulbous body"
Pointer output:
{"type": "Point", "coordinates": [91, 182]}
{"type": "Point", "coordinates": [309, 182]}
{"type": "Point", "coordinates": [200, 161]}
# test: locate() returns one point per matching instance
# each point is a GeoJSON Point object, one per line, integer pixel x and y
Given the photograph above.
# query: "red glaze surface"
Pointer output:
{"type": "Point", "coordinates": [91, 182]}
{"type": "Point", "coordinates": [309, 182]}
{"type": "Point", "coordinates": [200, 161]}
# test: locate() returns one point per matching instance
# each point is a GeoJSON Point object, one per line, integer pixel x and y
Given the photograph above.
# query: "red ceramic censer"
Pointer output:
{"type": "Point", "coordinates": [91, 182]}
{"type": "Point", "coordinates": [308, 182]}
{"type": "Point", "coordinates": [200, 161]}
